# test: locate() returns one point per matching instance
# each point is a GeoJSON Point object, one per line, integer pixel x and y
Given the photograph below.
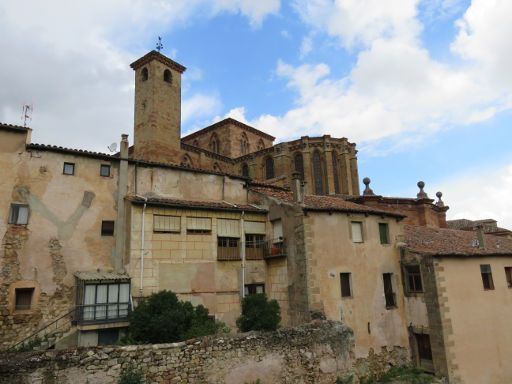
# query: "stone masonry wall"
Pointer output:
{"type": "Point", "coordinates": [318, 353]}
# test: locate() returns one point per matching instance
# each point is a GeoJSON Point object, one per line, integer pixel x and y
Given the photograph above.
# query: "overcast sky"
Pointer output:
{"type": "Point", "coordinates": [423, 87]}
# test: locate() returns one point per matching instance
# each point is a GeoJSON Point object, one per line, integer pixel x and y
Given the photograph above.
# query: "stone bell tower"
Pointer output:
{"type": "Point", "coordinates": [157, 130]}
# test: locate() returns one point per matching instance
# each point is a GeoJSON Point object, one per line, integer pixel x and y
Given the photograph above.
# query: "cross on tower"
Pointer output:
{"type": "Point", "coordinates": [159, 45]}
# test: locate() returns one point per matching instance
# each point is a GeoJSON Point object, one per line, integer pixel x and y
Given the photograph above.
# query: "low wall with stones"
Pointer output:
{"type": "Point", "coordinates": [317, 353]}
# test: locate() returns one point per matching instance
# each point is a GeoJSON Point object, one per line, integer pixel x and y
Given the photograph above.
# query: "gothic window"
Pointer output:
{"type": "Point", "coordinates": [186, 161]}
{"type": "Point", "coordinates": [318, 173]}
{"type": "Point", "coordinates": [299, 164]}
{"type": "Point", "coordinates": [245, 170]}
{"type": "Point", "coordinates": [269, 168]}
{"type": "Point", "coordinates": [144, 74]}
{"type": "Point", "coordinates": [244, 144]}
{"type": "Point", "coordinates": [214, 144]}
{"type": "Point", "coordinates": [261, 144]}
{"type": "Point", "coordinates": [335, 172]}
{"type": "Point", "coordinates": [167, 76]}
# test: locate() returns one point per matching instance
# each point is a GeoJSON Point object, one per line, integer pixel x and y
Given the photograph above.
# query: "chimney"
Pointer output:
{"type": "Point", "coordinates": [297, 188]}
{"type": "Point", "coordinates": [480, 236]}
{"type": "Point", "coordinates": [124, 146]}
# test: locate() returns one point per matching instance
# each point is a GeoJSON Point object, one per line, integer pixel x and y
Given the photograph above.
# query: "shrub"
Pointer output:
{"type": "Point", "coordinates": [131, 375]}
{"type": "Point", "coordinates": [259, 314]}
{"type": "Point", "coordinates": [162, 318]}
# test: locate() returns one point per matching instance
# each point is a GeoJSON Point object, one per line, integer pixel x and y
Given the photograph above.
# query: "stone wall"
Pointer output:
{"type": "Point", "coordinates": [313, 353]}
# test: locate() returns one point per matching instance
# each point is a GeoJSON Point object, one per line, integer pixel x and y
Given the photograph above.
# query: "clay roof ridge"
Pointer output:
{"type": "Point", "coordinates": [59, 148]}
{"type": "Point", "coordinates": [13, 127]}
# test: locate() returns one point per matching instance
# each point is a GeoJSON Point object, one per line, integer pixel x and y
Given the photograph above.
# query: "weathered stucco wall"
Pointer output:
{"type": "Point", "coordinates": [315, 353]}
{"type": "Point", "coordinates": [331, 251]}
{"type": "Point", "coordinates": [476, 321]}
{"type": "Point", "coordinates": [63, 234]}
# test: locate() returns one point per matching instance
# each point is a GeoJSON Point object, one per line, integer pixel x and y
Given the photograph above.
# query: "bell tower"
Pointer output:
{"type": "Point", "coordinates": [157, 129]}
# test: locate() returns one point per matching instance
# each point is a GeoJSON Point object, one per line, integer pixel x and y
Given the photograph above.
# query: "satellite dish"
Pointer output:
{"type": "Point", "coordinates": [112, 147]}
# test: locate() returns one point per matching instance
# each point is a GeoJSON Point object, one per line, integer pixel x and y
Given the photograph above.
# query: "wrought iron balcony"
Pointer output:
{"type": "Point", "coordinates": [275, 248]}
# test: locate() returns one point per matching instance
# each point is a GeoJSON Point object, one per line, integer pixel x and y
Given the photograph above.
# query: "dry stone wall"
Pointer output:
{"type": "Point", "coordinates": [314, 353]}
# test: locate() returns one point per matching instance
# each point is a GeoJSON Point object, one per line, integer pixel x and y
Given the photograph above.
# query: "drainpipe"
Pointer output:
{"type": "Point", "coordinates": [122, 190]}
{"type": "Point", "coordinates": [242, 252]}
{"type": "Point", "coordinates": [142, 247]}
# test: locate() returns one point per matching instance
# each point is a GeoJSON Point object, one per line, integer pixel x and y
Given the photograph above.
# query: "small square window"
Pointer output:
{"type": "Point", "coordinates": [345, 281]}
{"type": "Point", "coordinates": [357, 231]}
{"type": "Point", "coordinates": [485, 271]}
{"type": "Point", "coordinates": [18, 214]}
{"type": "Point", "coordinates": [69, 169]}
{"type": "Point", "coordinates": [107, 228]}
{"type": "Point", "coordinates": [253, 289]}
{"type": "Point", "coordinates": [508, 274]}
{"type": "Point", "coordinates": [384, 233]}
{"type": "Point", "coordinates": [105, 170]}
{"type": "Point", "coordinates": [23, 298]}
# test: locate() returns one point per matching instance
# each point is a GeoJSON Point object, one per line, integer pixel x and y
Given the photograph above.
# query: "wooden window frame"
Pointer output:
{"type": "Point", "coordinates": [508, 276]}
{"type": "Point", "coordinates": [14, 213]}
{"type": "Point", "coordinates": [487, 280]}
{"type": "Point", "coordinates": [352, 231]}
{"type": "Point", "coordinates": [417, 287]}
{"type": "Point", "coordinates": [72, 167]}
{"type": "Point", "coordinates": [385, 227]}
{"type": "Point", "coordinates": [105, 167]}
{"type": "Point", "coordinates": [253, 287]}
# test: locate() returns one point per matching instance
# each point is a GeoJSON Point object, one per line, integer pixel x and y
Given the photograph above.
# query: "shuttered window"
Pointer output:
{"type": "Point", "coordinates": [199, 225]}
{"type": "Point", "coordinates": [166, 223]}
{"type": "Point", "coordinates": [256, 227]}
{"type": "Point", "coordinates": [357, 231]}
{"type": "Point", "coordinates": [228, 228]}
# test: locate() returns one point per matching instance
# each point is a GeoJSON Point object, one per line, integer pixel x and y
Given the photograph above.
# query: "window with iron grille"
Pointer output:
{"type": "Point", "coordinates": [346, 284]}
{"type": "Point", "coordinates": [23, 298]}
{"type": "Point", "coordinates": [254, 246]}
{"type": "Point", "coordinates": [485, 270]}
{"type": "Point", "coordinates": [413, 278]}
{"type": "Point", "coordinates": [228, 248]}
{"type": "Point", "coordinates": [18, 214]}
{"type": "Point", "coordinates": [384, 233]}
{"type": "Point", "coordinates": [253, 289]}
{"type": "Point", "coordinates": [388, 290]}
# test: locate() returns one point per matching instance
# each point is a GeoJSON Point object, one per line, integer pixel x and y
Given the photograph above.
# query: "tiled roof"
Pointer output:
{"type": "Point", "coordinates": [453, 242]}
{"type": "Point", "coordinates": [12, 127]}
{"type": "Point", "coordinates": [101, 275]}
{"type": "Point", "coordinates": [71, 151]}
{"type": "Point", "coordinates": [489, 225]}
{"type": "Point", "coordinates": [322, 203]}
{"type": "Point", "coordinates": [154, 55]}
{"type": "Point", "coordinates": [223, 122]}
{"type": "Point", "coordinates": [194, 204]}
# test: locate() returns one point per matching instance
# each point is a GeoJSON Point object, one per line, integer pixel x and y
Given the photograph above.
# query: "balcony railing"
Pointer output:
{"type": "Point", "coordinates": [102, 313]}
{"type": "Point", "coordinates": [275, 248]}
{"type": "Point", "coordinates": [228, 253]}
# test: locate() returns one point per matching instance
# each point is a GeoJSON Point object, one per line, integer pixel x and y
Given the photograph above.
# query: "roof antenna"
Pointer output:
{"type": "Point", "coordinates": [112, 147]}
{"type": "Point", "coordinates": [159, 45]}
{"type": "Point", "coordinates": [26, 112]}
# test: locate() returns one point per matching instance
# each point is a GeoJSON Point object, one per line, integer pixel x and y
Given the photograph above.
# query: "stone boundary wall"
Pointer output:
{"type": "Point", "coordinates": [317, 353]}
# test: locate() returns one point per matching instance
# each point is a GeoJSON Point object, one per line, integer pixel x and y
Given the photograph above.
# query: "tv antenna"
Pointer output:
{"type": "Point", "coordinates": [112, 147]}
{"type": "Point", "coordinates": [26, 112]}
{"type": "Point", "coordinates": [159, 45]}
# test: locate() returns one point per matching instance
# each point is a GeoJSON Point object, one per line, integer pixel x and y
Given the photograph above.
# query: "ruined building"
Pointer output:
{"type": "Point", "coordinates": [224, 212]}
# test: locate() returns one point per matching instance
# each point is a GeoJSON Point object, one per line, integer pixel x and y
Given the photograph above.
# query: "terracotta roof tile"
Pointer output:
{"type": "Point", "coordinates": [195, 204]}
{"type": "Point", "coordinates": [226, 121]}
{"type": "Point", "coordinates": [12, 127]}
{"type": "Point", "coordinates": [82, 152]}
{"type": "Point", "coordinates": [154, 55]}
{"type": "Point", "coordinates": [453, 242]}
{"type": "Point", "coordinates": [322, 203]}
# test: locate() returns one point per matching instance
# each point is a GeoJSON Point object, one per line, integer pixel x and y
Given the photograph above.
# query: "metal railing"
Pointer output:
{"type": "Point", "coordinates": [275, 248]}
{"type": "Point", "coordinates": [102, 313]}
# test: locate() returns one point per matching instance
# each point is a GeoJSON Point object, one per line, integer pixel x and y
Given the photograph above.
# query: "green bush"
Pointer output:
{"type": "Point", "coordinates": [259, 314]}
{"type": "Point", "coordinates": [162, 318]}
{"type": "Point", "coordinates": [131, 375]}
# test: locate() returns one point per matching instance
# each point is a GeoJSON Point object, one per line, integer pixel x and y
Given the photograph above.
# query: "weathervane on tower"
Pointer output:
{"type": "Point", "coordinates": [159, 45]}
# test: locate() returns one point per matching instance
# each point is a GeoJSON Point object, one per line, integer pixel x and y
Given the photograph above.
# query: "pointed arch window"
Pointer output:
{"type": "Point", "coordinates": [269, 168]}
{"type": "Point", "coordinates": [245, 170]}
{"type": "Point", "coordinates": [186, 161]}
{"type": "Point", "coordinates": [244, 144]}
{"type": "Point", "coordinates": [298, 164]}
{"type": "Point", "coordinates": [318, 173]}
{"type": "Point", "coordinates": [335, 171]}
{"type": "Point", "coordinates": [215, 144]}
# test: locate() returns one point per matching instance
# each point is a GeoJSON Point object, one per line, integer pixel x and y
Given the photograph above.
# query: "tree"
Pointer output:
{"type": "Point", "coordinates": [162, 318]}
{"type": "Point", "coordinates": [259, 314]}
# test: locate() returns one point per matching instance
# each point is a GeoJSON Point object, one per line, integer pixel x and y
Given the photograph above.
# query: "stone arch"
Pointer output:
{"type": "Point", "coordinates": [144, 74]}
{"type": "Point", "coordinates": [244, 144]}
{"type": "Point", "coordinates": [261, 144]}
{"type": "Point", "coordinates": [269, 168]}
{"type": "Point", "coordinates": [245, 170]}
{"type": "Point", "coordinates": [186, 161]}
